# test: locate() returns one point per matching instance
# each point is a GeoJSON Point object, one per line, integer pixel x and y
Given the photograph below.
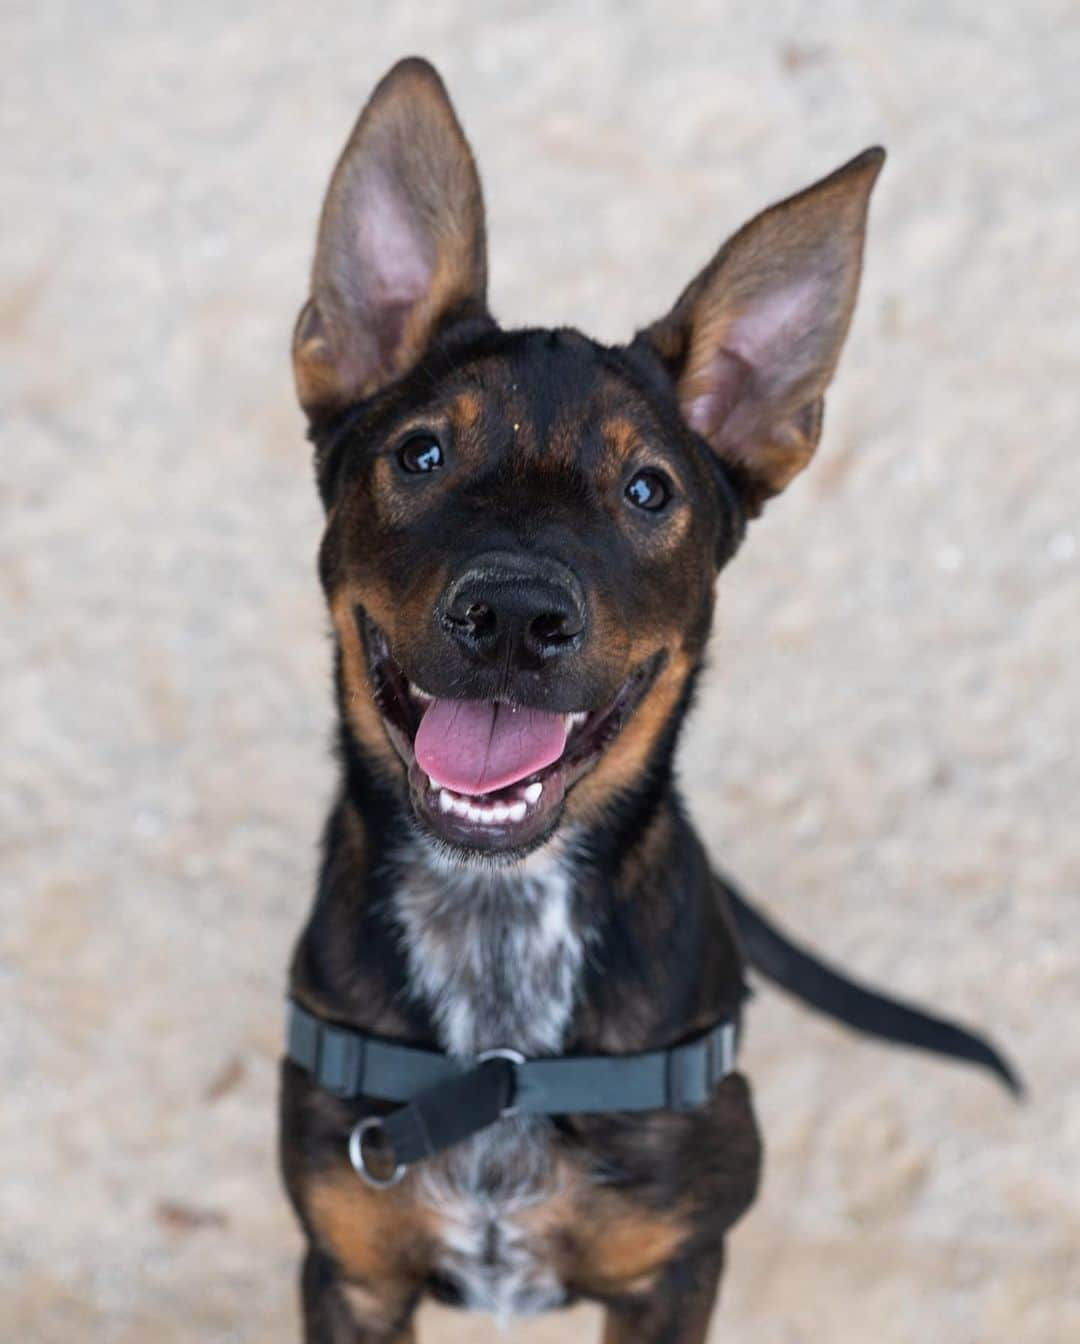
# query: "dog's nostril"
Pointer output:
{"type": "Point", "coordinates": [550, 628]}
{"type": "Point", "coordinates": [480, 618]}
{"type": "Point", "coordinates": [553, 632]}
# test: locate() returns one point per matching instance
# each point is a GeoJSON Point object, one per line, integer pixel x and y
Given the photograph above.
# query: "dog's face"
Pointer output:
{"type": "Point", "coordinates": [525, 543]}
{"type": "Point", "coordinates": [524, 528]}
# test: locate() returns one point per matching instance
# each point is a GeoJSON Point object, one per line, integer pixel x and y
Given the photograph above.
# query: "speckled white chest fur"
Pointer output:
{"type": "Point", "coordinates": [496, 954]}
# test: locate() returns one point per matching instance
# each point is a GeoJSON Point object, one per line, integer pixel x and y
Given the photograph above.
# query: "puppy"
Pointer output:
{"type": "Point", "coordinates": [510, 1079]}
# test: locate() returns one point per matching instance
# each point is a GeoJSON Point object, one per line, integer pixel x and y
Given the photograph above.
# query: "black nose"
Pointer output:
{"type": "Point", "coordinates": [528, 608]}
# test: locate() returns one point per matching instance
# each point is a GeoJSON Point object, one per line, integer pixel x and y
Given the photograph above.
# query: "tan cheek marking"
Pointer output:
{"type": "Point", "coordinates": [621, 765]}
{"type": "Point", "coordinates": [364, 719]}
{"type": "Point", "coordinates": [611, 637]}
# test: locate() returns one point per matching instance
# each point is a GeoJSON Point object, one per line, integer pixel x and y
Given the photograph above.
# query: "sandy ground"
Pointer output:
{"type": "Point", "coordinates": [887, 749]}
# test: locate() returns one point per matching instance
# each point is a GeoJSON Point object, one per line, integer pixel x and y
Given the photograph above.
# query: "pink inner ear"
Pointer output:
{"type": "Point", "coordinates": [395, 261]}
{"type": "Point", "coordinates": [766, 349]}
{"type": "Point", "coordinates": [775, 332]}
{"type": "Point", "coordinates": [717, 387]}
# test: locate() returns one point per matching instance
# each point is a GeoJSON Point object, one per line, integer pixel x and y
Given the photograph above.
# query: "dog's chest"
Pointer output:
{"type": "Point", "coordinates": [497, 958]}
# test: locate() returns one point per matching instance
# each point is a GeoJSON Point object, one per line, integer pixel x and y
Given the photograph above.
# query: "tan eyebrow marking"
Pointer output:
{"type": "Point", "coordinates": [466, 409]}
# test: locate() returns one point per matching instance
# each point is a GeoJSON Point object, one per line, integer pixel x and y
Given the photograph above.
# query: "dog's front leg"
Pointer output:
{"type": "Point", "coordinates": [337, 1311]}
{"type": "Point", "coordinates": [676, 1311]}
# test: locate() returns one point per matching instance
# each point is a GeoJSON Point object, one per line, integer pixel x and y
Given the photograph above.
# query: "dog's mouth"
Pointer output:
{"type": "Point", "coordinates": [491, 776]}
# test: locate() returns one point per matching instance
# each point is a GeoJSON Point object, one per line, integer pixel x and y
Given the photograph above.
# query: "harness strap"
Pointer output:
{"type": "Point", "coordinates": [448, 1100]}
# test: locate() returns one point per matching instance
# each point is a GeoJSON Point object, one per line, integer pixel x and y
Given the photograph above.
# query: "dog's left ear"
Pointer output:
{"type": "Point", "coordinates": [401, 247]}
{"type": "Point", "coordinates": [753, 341]}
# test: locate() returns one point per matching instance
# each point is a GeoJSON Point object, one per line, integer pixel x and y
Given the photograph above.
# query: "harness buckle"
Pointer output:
{"type": "Point", "coordinates": [514, 1057]}
{"type": "Point", "coordinates": [372, 1125]}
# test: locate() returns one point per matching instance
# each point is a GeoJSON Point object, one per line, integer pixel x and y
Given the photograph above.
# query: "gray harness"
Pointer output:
{"type": "Point", "coordinates": [445, 1100]}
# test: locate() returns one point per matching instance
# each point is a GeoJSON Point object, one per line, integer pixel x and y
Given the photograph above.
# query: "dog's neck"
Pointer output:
{"type": "Point", "coordinates": [495, 954]}
{"type": "Point", "coordinates": [606, 941]}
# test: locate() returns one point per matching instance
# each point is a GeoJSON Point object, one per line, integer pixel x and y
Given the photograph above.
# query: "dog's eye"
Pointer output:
{"type": "Point", "coordinates": [648, 489]}
{"type": "Point", "coordinates": [421, 453]}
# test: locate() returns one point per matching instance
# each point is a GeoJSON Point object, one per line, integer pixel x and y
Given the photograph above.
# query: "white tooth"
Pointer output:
{"type": "Point", "coordinates": [500, 812]}
{"type": "Point", "coordinates": [432, 784]}
{"type": "Point", "coordinates": [473, 813]}
{"type": "Point", "coordinates": [446, 800]}
{"type": "Point", "coordinates": [461, 807]}
{"type": "Point", "coordinates": [517, 812]}
{"type": "Point", "coordinates": [578, 719]}
{"type": "Point", "coordinates": [533, 791]}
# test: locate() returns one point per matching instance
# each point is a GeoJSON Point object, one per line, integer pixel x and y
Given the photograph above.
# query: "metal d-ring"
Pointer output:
{"type": "Point", "coordinates": [514, 1057]}
{"type": "Point", "coordinates": [356, 1155]}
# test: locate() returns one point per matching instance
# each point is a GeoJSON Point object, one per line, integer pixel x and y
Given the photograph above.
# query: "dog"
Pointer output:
{"type": "Point", "coordinates": [510, 1080]}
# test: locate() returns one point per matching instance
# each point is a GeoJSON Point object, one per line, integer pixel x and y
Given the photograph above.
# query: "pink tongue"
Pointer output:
{"type": "Point", "coordinates": [474, 746]}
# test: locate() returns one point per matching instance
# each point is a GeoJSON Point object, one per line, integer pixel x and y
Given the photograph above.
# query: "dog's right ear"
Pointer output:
{"type": "Point", "coordinates": [401, 246]}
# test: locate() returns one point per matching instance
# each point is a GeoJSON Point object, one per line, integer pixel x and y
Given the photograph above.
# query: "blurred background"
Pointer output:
{"type": "Point", "coordinates": [886, 749]}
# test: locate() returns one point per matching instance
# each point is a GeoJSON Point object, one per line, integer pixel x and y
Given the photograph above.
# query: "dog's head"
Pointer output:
{"type": "Point", "coordinates": [524, 528]}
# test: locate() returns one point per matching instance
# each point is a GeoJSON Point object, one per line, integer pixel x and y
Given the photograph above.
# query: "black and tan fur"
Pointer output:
{"type": "Point", "coordinates": [608, 933]}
